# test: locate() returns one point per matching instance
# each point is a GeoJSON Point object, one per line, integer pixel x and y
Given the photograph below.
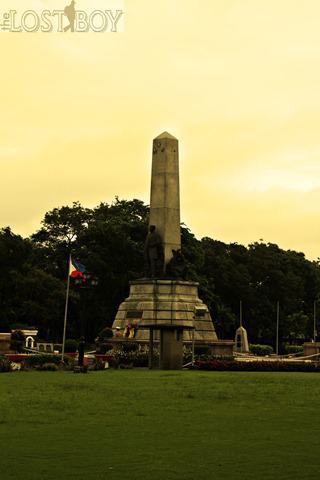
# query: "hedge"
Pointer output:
{"type": "Point", "coordinates": [136, 359]}
{"type": "Point", "coordinates": [261, 350]}
{"type": "Point", "coordinates": [293, 348]}
{"type": "Point", "coordinates": [141, 359]}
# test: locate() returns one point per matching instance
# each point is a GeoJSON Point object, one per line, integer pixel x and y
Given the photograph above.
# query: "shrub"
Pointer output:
{"type": "Point", "coordinates": [48, 367]}
{"type": "Point", "coordinates": [17, 341]}
{"type": "Point", "coordinates": [5, 365]}
{"type": "Point", "coordinates": [39, 360]}
{"type": "Point", "coordinates": [104, 348]}
{"type": "Point", "coordinates": [293, 348]}
{"type": "Point", "coordinates": [105, 334]}
{"type": "Point", "coordinates": [126, 366]}
{"type": "Point", "coordinates": [119, 358]}
{"type": "Point", "coordinates": [187, 357]}
{"type": "Point", "coordinates": [141, 359]}
{"type": "Point", "coordinates": [98, 365]}
{"type": "Point", "coordinates": [136, 359]}
{"type": "Point", "coordinates": [71, 346]}
{"type": "Point", "coordinates": [130, 347]}
{"type": "Point", "coordinates": [202, 350]}
{"type": "Point", "coordinates": [261, 350]}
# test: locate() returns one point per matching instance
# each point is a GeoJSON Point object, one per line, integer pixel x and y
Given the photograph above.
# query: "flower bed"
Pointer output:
{"type": "Point", "coordinates": [16, 357]}
{"type": "Point", "coordinates": [100, 357]}
{"type": "Point", "coordinates": [270, 366]}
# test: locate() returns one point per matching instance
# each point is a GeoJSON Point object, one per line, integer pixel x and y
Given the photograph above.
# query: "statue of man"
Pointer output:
{"type": "Point", "coordinates": [177, 266]}
{"type": "Point", "coordinates": [153, 252]}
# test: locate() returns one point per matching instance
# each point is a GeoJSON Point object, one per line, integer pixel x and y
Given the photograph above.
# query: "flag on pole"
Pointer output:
{"type": "Point", "coordinates": [76, 269]}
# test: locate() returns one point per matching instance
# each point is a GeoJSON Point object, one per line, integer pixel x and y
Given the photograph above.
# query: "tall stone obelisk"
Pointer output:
{"type": "Point", "coordinates": [170, 306]}
{"type": "Point", "coordinates": [165, 196]}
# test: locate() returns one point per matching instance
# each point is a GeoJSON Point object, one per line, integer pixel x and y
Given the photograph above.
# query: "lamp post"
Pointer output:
{"type": "Point", "coordinates": [277, 334]}
{"type": "Point", "coordinates": [241, 334]}
{"type": "Point", "coordinates": [315, 320]}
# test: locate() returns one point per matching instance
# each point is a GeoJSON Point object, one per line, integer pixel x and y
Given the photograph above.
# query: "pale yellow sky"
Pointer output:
{"type": "Point", "coordinates": [236, 81]}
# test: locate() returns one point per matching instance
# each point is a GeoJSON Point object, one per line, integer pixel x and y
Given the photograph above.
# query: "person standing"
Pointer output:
{"type": "Point", "coordinates": [70, 13]}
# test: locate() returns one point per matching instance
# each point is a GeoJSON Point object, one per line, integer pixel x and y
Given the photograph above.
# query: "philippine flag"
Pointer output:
{"type": "Point", "coordinates": [76, 269]}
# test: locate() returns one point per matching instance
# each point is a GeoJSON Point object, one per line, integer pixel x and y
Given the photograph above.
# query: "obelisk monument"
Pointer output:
{"type": "Point", "coordinates": [165, 196]}
{"type": "Point", "coordinates": [163, 300]}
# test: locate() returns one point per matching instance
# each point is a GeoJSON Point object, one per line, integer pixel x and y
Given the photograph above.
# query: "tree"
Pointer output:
{"type": "Point", "coordinates": [17, 341]}
{"type": "Point", "coordinates": [109, 240]}
{"type": "Point", "coordinates": [296, 327]}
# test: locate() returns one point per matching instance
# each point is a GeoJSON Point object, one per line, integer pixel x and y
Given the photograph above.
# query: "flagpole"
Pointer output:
{"type": "Point", "coordinates": [277, 334]}
{"type": "Point", "coordinates": [66, 310]}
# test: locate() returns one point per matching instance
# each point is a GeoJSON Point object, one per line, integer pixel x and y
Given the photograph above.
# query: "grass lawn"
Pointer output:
{"type": "Point", "coordinates": [152, 425]}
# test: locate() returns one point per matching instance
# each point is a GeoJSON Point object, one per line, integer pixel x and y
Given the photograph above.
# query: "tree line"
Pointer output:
{"type": "Point", "coordinates": [109, 241]}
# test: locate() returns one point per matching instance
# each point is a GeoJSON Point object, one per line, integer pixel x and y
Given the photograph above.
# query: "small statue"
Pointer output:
{"type": "Point", "coordinates": [177, 266]}
{"type": "Point", "coordinates": [126, 332]}
{"type": "Point", "coordinates": [153, 253]}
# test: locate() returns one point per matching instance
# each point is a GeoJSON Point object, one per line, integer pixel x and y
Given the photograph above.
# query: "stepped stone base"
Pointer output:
{"type": "Point", "coordinates": [163, 302]}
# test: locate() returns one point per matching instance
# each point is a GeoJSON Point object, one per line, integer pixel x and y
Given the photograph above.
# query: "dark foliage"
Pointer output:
{"type": "Point", "coordinates": [71, 346]}
{"type": "Point", "coordinates": [5, 365]}
{"type": "Point", "coordinates": [39, 360]}
{"type": "Point", "coordinates": [109, 240]}
{"type": "Point", "coordinates": [17, 341]}
{"type": "Point", "coordinates": [292, 349]}
{"type": "Point", "coordinates": [261, 350]}
{"type": "Point", "coordinates": [48, 367]}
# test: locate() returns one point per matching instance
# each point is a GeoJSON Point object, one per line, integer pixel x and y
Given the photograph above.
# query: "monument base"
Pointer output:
{"type": "Point", "coordinates": [163, 302]}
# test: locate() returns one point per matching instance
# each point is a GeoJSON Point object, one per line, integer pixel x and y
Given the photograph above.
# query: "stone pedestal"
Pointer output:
{"type": "Point", "coordinates": [165, 302]}
{"type": "Point", "coordinates": [311, 348]}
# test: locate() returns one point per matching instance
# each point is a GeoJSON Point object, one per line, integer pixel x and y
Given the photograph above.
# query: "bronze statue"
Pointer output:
{"type": "Point", "coordinates": [153, 253]}
{"type": "Point", "coordinates": [177, 266]}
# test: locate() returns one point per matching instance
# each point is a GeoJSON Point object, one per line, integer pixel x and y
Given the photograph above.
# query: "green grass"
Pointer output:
{"type": "Point", "coordinates": [153, 425]}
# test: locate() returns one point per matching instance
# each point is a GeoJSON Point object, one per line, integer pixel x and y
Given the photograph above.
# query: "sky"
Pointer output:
{"type": "Point", "coordinates": [236, 81]}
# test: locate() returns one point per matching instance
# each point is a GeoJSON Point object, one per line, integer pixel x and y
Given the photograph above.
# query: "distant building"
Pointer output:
{"type": "Point", "coordinates": [31, 342]}
{"type": "Point", "coordinates": [5, 340]}
{"type": "Point", "coordinates": [30, 337]}
{"type": "Point", "coordinates": [45, 347]}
